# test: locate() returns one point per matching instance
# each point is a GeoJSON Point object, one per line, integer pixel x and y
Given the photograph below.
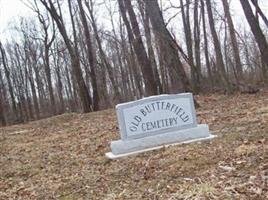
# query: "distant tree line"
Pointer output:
{"type": "Point", "coordinates": [65, 60]}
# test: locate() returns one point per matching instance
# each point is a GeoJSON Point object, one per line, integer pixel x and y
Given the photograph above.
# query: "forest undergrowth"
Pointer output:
{"type": "Point", "coordinates": [63, 157]}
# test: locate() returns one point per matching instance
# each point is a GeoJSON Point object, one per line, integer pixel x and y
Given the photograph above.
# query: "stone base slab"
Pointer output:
{"type": "Point", "coordinates": [122, 148]}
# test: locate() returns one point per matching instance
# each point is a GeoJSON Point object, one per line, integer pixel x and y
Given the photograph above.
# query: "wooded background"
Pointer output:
{"type": "Point", "coordinates": [64, 60]}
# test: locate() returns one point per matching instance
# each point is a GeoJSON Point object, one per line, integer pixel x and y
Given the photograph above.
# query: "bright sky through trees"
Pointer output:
{"type": "Point", "coordinates": [11, 10]}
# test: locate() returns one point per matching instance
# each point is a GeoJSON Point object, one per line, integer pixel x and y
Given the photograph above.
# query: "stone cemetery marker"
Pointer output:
{"type": "Point", "coordinates": [156, 121]}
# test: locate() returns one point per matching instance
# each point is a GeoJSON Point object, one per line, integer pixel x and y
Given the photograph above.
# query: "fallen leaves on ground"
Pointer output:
{"type": "Point", "coordinates": [63, 157]}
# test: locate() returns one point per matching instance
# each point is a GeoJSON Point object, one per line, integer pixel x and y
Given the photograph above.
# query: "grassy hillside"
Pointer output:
{"type": "Point", "coordinates": [63, 157]}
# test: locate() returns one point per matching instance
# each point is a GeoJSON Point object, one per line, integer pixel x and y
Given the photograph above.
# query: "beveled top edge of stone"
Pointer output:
{"type": "Point", "coordinates": [154, 97]}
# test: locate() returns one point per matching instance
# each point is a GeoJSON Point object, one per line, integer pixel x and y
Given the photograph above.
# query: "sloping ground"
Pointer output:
{"type": "Point", "coordinates": [63, 157]}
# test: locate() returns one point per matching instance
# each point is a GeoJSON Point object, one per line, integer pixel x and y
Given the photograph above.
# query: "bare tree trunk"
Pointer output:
{"type": "Point", "coordinates": [20, 84]}
{"type": "Point", "coordinates": [233, 41]}
{"type": "Point", "coordinates": [49, 82]}
{"type": "Point", "coordinates": [130, 61]}
{"type": "Point", "coordinates": [226, 49]}
{"type": "Point", "coordinates": [259, 11]}
{"type": "Point", "coordinates": [197, 45]}
{"type": "Point", "coordinates": [167, 46]}
{"type": "Point", "coordinates": [102, 54]}
{"type": "Point", "coordinates": [70, 90]}
{"type": "Point", "coordinates": [7, 74]}
{"type": "Point", "coordinates": [2, 111]}
{"type": "Point", "coordinates": [47, 45]}
{"type": "Point", "coordinates": [59, 83]}
{"type": "Point", "coordinates": [29, 75]}
{"type": "Point", "coordinates": [217, 48]}
{"type": "Point", "coordinates": [75, 62]}
{"type": "Point", "coordinates": [146, 24]}
{"type": "Point", "coordinates": [145, 64]}
{"type": "Point", "coordinates": [206, 43]}
{"type": "Point", "coordinates": [163, 71]}
{"type": "Point", "coordinates": [126, 92]}
{"type": "Point", "coordinates": [90, 56]}
{"type": "Point", "coordinates": [28, 98]}
{"type": "Point", "coordinates": [256, 30]}
{"type": "Point", "coordinates": [2, 116]}
{"type": "Point", "coordinates": [189, 43]}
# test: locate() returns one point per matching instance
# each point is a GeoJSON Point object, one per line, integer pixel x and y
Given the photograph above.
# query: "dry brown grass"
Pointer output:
{"type": "Point", "coordinates": [63, 157]}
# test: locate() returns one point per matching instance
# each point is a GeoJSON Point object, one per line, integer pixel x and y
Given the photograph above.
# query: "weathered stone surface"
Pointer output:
{"type": "Point", "coordinates": [127, 146]}
{"type": "Point", "coordinates": [156, 115]}
{"type": "Point", "coordinates": [156, 121]}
